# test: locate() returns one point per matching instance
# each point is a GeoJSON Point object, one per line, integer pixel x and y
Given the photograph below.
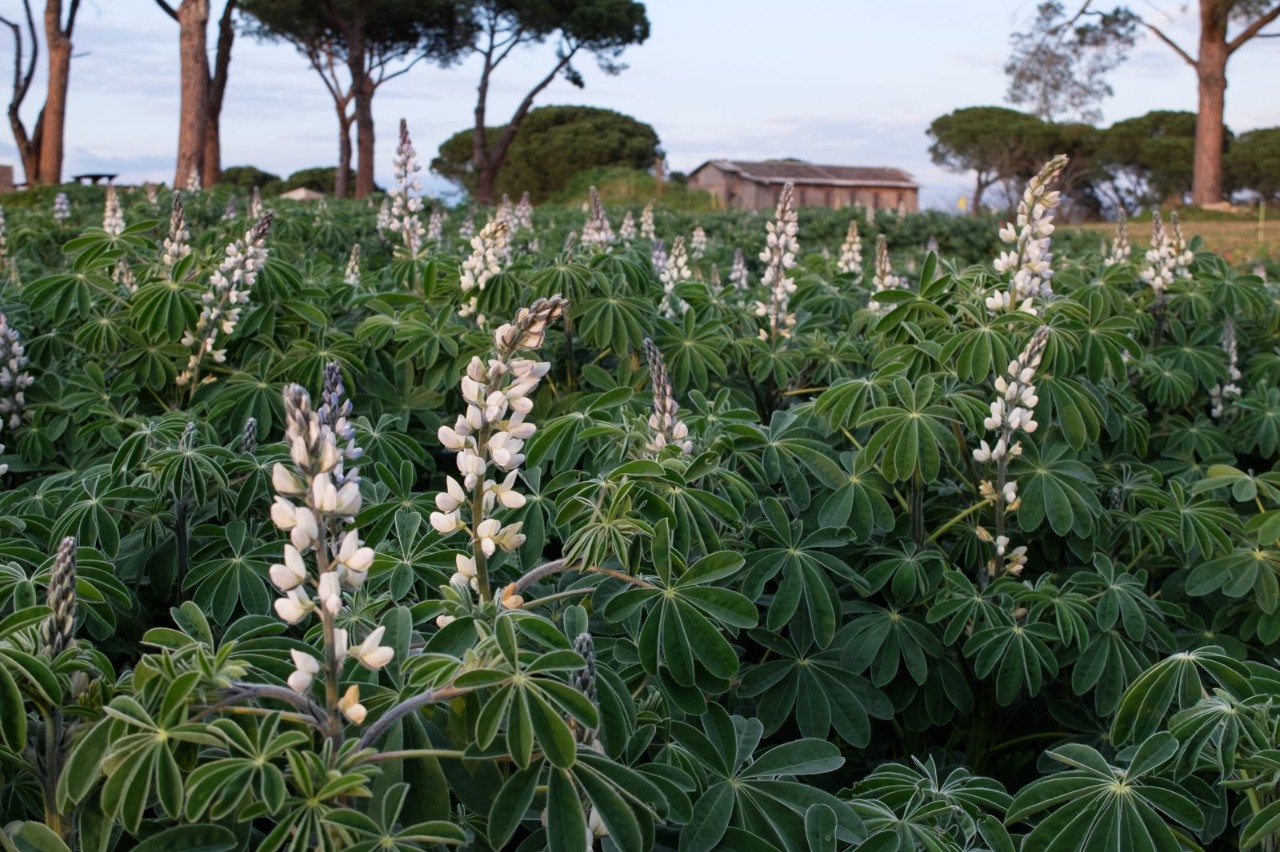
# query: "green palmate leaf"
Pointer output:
{"type": "Point", "coordinates": [1175, 681]}
{"type": "Point", "coordinates": [913, 436]}
{"type": "Point", "coordinates": [1097, 807]}
{"type": "Point", "coordinates": [1019, 655]}
{"type": "Point", "coordinates": [1057, 488]}
{"type": "Point", "coordinates": [197, 838]}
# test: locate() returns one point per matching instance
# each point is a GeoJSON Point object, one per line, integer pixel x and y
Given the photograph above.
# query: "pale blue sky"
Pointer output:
{"type": "Point", "coordinates": [830, 81]}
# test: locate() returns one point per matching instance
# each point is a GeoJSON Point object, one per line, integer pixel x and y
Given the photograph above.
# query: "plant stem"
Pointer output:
{"type": "Point", "coordinates": [957, 519]}
{"type": "Point", "coordinates": [405, 754]}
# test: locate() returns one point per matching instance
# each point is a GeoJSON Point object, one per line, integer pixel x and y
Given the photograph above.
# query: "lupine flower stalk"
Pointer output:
{"type": "Point", "coordinates": [176, 244]}
{"type": "Point", "coordinates": [597, 231]}
{"type": "Point", "coordinates": [1012, 414]}
{"type": "Point", "coordinates": [58, 631]}
{"type": "Point", "coordinates": [468, 227]}
{"type": "Point", "coordinates": [883, 279]}
{"type": "Point", "coordinates": [850, 259]}
{"type": "Point", "coordinates": [193, 180]}
{"type": "Point", "coordinates": [384, 220]}
{"type": "Point", "coordinates": [315, 524]}
{"type": "Point", "coordinates": [229, 289]}
{"type": "Point", "coordinates": [255, 204]}
{"type": "Point", "coordinates": [489, 440]}
{"type": "Point", "coordinates": [1120, 248]}
{"type": "Point", "coordinates": [658, 258]}
{"type": "Point", "coordinates": [698, 243]}
{"type": "Point", "coordinates": [1182, 256]}
{"type": "Point", "coordinates": [335, 414]}
{"type": "Point", "coordinates": [352, 273]}
{"type": "Point", "coordinates": [647, 231]}
{"type": "Point", "coordinates": [1029, 260]}
{"type": "Point", "coordinates": [627, 230]}
{"type": "Point", "coordinates": [738, 274]}
{"type": "Point", "coordinates": [230, 213]}
{"type": "Point", "coordinates": [666, 428]}
{"type": "Point", "coordinates": [1220, 394]}
{"type": "Point", "coordinates": [61, 207]}
{"type": "Point", "coordinates": [488, 250]}
{"type": "Point", "coordinates": [249, 436]}
{"type": "Point", "coordinates": [14, 378]}
{"type": "Point", "coordinates": [524, 213]}
{"type": "Point", "coordinates": [4, 238]}
{"type": "Point", "coordinates": [112, 216]}
{"type": "Point", "coordinates": [779, 256]}
{"type": "Point", "coordinates": [674, 271]}
{"type": "Point", "coordinates": [435, 224]}
{"type": "Point", "coordinates": [1159, 270]}
{"type": "Point", "coordinates": [405, 204]}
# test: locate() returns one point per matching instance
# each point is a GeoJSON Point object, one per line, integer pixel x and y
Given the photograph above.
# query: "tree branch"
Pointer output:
{"type": "Point", "coordinates": [1252, 30]}
{"type": "Point", "coordinates": [1186, 57]}
{"type": "Point", "coordinates": [168, 10]}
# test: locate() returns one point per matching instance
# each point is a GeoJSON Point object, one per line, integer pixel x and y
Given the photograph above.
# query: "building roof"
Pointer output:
{"type": "Point", "coordinates": [302, 193]}
{"type": "Point", "coordinates": [796, 171]}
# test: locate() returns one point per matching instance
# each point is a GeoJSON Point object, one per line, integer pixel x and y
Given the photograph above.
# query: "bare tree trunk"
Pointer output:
{"type": "Point", "coordinates": [53, 118]}
{"type": "Point", "coordinates": [976, 208]}
{"type": "Point", "coordinates": [193, 19]}
{"type": "Point", "coordinates": [1211, 71]}
{"type": "Point", "coordinates": [480, 140]}
{"type": "Point", "coordinates": [364, 136]}
{"type": "Point", "coordinates": [217, 88]}
{"type": "Point", "coordinates": [342, 179]}
{"type": "Point", "coordinates": [494, 159]}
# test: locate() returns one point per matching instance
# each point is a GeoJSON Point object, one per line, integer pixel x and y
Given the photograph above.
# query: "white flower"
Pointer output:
{"type": "Point", "coordinates": [1030, 259]}
{"type": "Point", "coordinates": [330, 592]}
{"type": "Point", "coordinates": [505, 492]}
{"type": "Point", "coordinates": [445, 522]}
{"type": "Point", "coordinates": [306, 530]}
{"type": "Point", "coordinates": [352, 556]}
{"type": "Point", "coordinates": [305, 669]}
{"type": "Point", "coordinates": [370, 653]}
{"type": "Point", "coordinates": [293, 607]}
{"type": "Point", "coordinates": [486, 535]}
{"type": "Point", "coordinates": [292, 572]}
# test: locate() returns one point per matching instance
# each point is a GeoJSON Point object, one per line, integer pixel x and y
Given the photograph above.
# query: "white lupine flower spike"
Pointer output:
{"type": "Point", "coordinates": [489, 441]}
{"type": "Point", "coordinates": [1012, 413]}
{"type": "Point", "coordinates": [1029, 260]}
{"type": "Point", "coordinates": [779, 257]}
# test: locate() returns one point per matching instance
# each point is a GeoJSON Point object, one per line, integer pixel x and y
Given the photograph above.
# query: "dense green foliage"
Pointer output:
{"type": "Point", "coordinates": [1254, 161]}
{"type": "Point", "coordinates": [1136, 163]}
{"type": "Point", "coordinates": [797, 638]}
{"type": "Point", "coordinates": [554, 144]}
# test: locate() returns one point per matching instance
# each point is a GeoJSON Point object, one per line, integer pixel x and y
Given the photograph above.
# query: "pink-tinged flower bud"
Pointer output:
{"type": "Point", "coordinates": [283, 480]}
{"type": "Point", "coordinates": [510, 538]}
{"type": "Point", "coordinates": [443, 621]}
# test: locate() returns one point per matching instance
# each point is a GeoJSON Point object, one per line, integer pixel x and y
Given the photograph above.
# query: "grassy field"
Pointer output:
{"type": "Point", "coordinates": [1238, 241]}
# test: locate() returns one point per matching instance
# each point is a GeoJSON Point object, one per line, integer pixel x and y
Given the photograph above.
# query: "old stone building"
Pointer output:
{"type": "Point", "coordinates": [756, 186]}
